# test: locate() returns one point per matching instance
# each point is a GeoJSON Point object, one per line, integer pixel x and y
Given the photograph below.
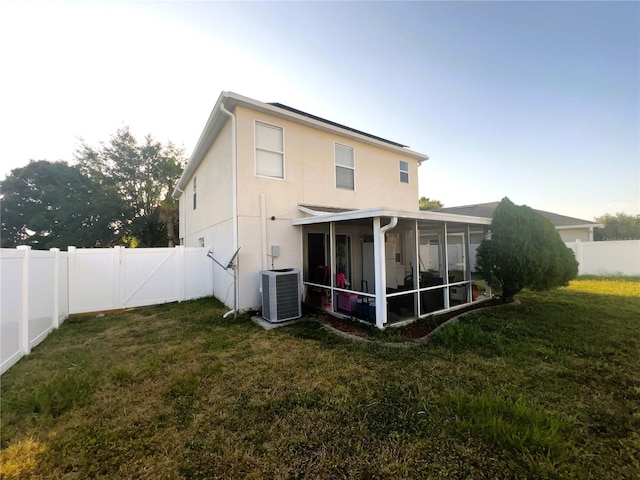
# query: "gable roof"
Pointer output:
{"type": "Point", "coordinates": [229, 100]}
{"type": "Point", "coordinates": [334, 124]}
{"type": "Point", "coordinates": [486, 210]}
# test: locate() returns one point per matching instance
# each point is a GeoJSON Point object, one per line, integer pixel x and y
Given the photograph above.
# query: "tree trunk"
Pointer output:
{"type": "Point", "coordinates": [171, 234]}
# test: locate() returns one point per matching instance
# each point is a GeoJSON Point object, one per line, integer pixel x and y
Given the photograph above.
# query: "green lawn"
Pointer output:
{"type": "Point", "coordinates": [549, 388]}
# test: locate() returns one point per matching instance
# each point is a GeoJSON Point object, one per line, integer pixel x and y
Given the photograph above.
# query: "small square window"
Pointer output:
{"type": "Point", "coordinates": [404, 171]}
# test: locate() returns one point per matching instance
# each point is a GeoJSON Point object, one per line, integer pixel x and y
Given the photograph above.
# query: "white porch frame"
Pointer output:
{"type": "Point", "coordinates": [379, 231]}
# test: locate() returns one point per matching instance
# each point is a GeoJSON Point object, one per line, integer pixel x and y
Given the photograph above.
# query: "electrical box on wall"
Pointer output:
{"type": "Point", "coordinates": [275, 250]}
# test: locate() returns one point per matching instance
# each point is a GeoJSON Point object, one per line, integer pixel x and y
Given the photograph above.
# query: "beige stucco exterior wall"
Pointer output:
{"type": "Point", "coordinates": [212, 220]}
{"type": "Point", "coordinates": [309, 171]}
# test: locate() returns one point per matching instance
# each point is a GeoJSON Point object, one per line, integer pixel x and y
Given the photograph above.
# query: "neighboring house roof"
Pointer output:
{"type": "Point", "coordinates": [217, 120]}
{"type": "Point", "coordinates": [486, 210]}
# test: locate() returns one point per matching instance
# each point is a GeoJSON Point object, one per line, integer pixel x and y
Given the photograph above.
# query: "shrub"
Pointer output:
{"type": "Point", "coordinates": [525, 251]}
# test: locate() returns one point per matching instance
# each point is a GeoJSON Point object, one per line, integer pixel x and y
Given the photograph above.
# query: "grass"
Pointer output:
{"type": "Point", "coordinates": [546, 389]}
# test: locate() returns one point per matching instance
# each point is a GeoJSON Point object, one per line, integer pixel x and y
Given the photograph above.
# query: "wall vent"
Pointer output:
{"type": "Point", "coordinates": [281, 294]}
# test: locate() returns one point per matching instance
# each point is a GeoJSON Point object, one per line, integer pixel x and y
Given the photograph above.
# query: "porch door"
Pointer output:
{"type": "Point", "coordinates": [343, 255]}
{"type": "Point", "coordinates": [368, 268]}
{"type": "Point", "coordinates": [456, 256]}
{"type": "Point", "coordinates": [315, 253]}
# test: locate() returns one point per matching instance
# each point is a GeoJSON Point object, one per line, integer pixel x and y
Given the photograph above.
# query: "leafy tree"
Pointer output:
{"type": "Point", "coordinates": [618, 227]}
{"type": "Point", "coordinates": [525, 251]}
{"type": "Point", "coordinates": [426, 203]}
{"type": "Point", "coordinates": [143, 175]}
{"type": "Point", "coordinates": [51, 204]}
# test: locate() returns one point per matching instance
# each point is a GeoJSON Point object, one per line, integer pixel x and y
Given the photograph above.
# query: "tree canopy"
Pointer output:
{"type": "Point", "coordinates": [144, 175]}
{"type": "Point", "coordinates": [52, 205]}
{"type": "Point", "coordinates": [425, 203]}
{"type": "Point", "coordinates": [117, 192]}
{"type": "Point", "coordinates": [620, 226]}
{"type": "Point", "coordinates": [524, 251]}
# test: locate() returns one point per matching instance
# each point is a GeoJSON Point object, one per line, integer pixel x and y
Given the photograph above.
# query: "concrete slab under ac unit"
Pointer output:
{"type": "Point", "coordinates": [270, 326]}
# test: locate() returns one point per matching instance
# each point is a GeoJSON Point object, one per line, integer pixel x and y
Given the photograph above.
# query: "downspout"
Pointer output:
{"type": "Point", "coordinates": [181, 206]}
{"type": "Point", "coordinates": [380, 269]}
{"type": "Point", "coordinates": [234, 204]}
{"type": "Point", "coordinates": [263, 230]}
{"type": "Point", "coordinates": [392, 224]}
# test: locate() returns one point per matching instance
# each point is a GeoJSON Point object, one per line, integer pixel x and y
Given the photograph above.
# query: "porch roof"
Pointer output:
{"type": "Point", "coordinates": [319, 216]}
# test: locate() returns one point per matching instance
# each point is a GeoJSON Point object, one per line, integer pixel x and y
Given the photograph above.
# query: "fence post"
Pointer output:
{"type": "Point", "coordinates": [72, 278]}
{"type": "Point", "coordinates": [119, 277]}
{"type": "Point", "coordinates": [25, 345]}
{"type": "Point", "coordinates": [579, 256]}
{"type": "Point", "coordinates": [56, 287]}
{"type": "Point", "coordinates": [181, 272]}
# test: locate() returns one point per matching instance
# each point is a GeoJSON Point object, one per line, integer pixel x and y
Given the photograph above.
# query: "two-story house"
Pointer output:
{"type": "Point", "coordinates": [292, 190]}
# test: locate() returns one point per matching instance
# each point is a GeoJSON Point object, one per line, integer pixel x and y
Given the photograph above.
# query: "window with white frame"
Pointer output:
{"type": "Point", "coordinates": [194, 193]}
{"type": "Point", "coordinates": [404, 171]}
{"type": "Point", "coordinates": [345, 167]}
{"type": "Point", "coordinates": [269, 151]}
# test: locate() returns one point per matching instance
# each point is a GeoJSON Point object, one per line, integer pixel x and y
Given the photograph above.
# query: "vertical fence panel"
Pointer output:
{"type": "Point", "coordinates": [41, 295]}
{"type": "Point", "coordinates": [607, 258]}
{"type": "Point", "coordinates": [150, 276]}
{"type": "Point", "coordinates": [198, 276]}
{"type": "Point", "coordinates": [24, 310]}
{"type": "Point", "coordinates": [63, 287]}
{"type": "Point", "coordinates": [11, 292]}
{"type": "Point", "coordinates": [94, 274]}
{"type": "Point", "coordinates": [39, 289]}
{"type": "Point", "coordinates": [55, 314]}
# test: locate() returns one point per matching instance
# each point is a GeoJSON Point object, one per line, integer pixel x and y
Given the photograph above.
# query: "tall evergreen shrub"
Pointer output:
{"type": "Point", "coordinates": [525, 251]}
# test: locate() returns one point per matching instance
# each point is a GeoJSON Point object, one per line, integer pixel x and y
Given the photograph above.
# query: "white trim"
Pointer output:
{"type": "Point", "coordinates": [256, 148]}
{"type": "Point", "coordinates": [386, 212]}
{"type": "Point", "coordinates": [309, 211]}
{"type": "Point", "coordinates": [569, 227]}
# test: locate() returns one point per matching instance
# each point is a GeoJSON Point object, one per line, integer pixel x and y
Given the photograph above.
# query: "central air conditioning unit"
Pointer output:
{"type": "Point", "coordinates": [281, 294]}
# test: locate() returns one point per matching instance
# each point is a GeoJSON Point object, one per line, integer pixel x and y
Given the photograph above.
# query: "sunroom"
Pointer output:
{"type": "Point", "coordinates": [389, 267]}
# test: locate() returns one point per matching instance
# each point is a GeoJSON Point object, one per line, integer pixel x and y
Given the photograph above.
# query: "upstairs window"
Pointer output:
{"type": "Point", "coordinates": [404, 172]}
{"type": "Point", "coordinates": [269, 151]}
{"type": "Point", "coordinates": [345, 167]}
{"type": "Point", "coordinates": [194, 193]}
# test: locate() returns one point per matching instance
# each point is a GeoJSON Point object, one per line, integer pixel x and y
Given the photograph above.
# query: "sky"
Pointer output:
{"type": "Point", "coordinates": [536, 101]}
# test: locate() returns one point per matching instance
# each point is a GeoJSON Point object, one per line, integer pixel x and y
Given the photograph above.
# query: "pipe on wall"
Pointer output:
{"type": "Point", "coordinates": [263, 230]}
{"type": "Point", "coordinates": [234, 200]}
{"type": "Point", "coordinates": [380, 268]}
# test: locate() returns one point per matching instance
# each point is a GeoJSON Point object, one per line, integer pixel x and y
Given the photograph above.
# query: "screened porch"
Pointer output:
{"type": "Point", "coordinates": [389, 267]}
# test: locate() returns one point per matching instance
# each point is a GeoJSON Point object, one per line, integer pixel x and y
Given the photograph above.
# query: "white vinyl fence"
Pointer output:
{"type": "Point", "coordinates": [607, 258]}
{"type": "Point", "coordinates": [39, 289]}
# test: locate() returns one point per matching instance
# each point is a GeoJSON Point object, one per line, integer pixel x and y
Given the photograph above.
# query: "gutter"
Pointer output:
{"type": "Point", "coordinates": [234, 201]}
{"type": "Point", "coordinates": [380, 274]}
{"type": "Point", "coordinates": [390, 225]}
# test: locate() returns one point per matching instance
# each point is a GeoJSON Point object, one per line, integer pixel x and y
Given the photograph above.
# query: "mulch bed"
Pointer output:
{"type": "Point", "coordinates": [414, 331]}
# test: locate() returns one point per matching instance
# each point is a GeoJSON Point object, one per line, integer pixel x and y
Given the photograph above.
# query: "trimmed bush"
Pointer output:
{"type": "Point", "coordinates": [525, 251]}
